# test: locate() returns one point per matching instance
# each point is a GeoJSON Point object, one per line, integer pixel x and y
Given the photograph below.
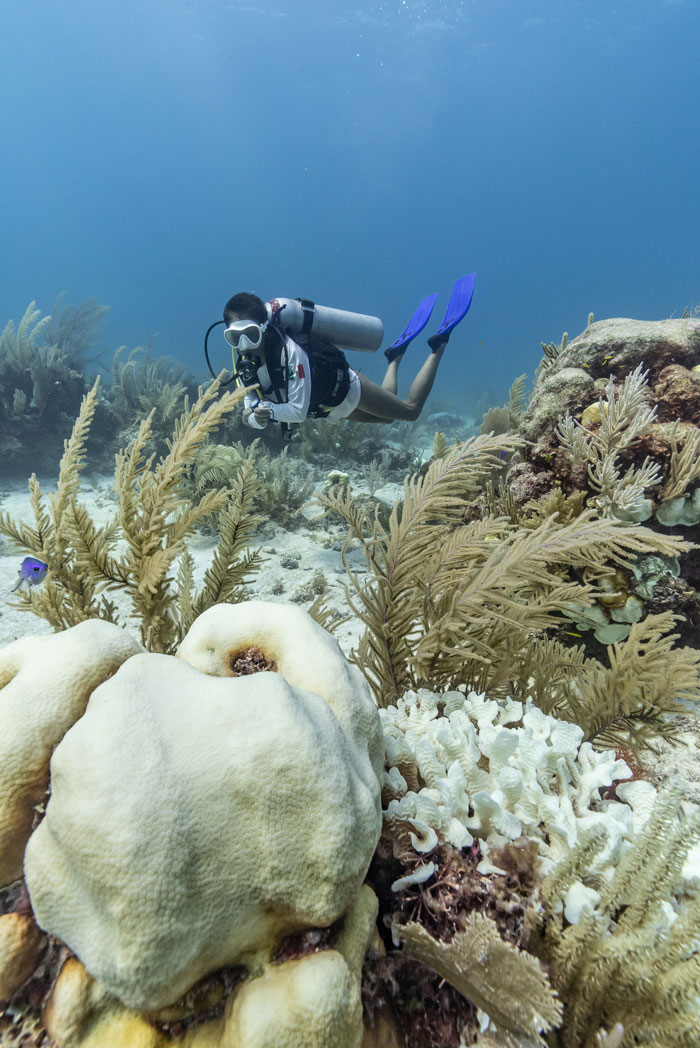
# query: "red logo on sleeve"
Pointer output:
{"type": "Point", "coordinates": [300, 371]}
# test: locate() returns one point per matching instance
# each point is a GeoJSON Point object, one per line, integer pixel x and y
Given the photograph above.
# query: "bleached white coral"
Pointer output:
{"type": "Point", "coordinates": [497, 771]}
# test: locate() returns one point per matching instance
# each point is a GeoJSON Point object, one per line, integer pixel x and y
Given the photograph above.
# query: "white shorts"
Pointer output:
{"type": "Point", "coordinates": [347, 406]}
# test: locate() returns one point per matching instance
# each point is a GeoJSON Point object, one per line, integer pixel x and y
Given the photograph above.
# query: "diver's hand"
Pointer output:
{"type": "Point", "coordinates": [262, 415]}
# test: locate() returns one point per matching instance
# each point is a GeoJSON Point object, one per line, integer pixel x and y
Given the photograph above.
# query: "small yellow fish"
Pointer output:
{"type": "Point", "coordinates": [570, 634]}
{"type": "Point", "coordinates": [609, 357]}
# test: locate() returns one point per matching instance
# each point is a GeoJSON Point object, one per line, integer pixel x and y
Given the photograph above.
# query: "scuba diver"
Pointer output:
{"type": "Point", "coordinates": [289, 354]}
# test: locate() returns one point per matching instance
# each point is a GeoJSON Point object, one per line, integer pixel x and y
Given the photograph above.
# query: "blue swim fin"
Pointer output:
{"type": "Point", "coordinates": [460, 301]}
{"type": "Point", "coordinates": [414, 327]}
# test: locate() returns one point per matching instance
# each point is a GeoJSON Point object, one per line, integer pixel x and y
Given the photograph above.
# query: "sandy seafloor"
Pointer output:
{"type": "Point", "coordinates": [311, 548]}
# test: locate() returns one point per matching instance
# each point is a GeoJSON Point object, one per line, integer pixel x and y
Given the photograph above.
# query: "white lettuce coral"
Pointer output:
{"type": "Point", "coordinates": [461, 767]}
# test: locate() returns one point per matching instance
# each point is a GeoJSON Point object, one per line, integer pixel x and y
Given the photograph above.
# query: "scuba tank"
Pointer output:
{"type": "Point", "coordinates": [299, 316]}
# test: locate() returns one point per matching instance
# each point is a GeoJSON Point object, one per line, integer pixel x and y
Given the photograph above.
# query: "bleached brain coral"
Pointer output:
{"type": "Point", "coordinates": [463, 767]}
{"type": "Point", "coordinates": [45, 684]}
{"type": "Point", "coordinates": [197, 816]}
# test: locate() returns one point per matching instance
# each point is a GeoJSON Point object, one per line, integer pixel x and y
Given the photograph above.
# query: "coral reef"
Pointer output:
{"type": "Point", "coordinates": [326, 444]}
{"type": "Point", "coordinates": [507, 418]}
{"type": "Point", "coordinates": [630, 442]}
{"type": "Point", "coordinates": [495, 772]}
{"type": "Point", "coordinates": [74, 329]}
{"type": "Point", "coordinates": [501, 827]}
{"type": "Point", "coordinates": [257, 749]}
{"type": "Point", "coordinates": [44, 366]}
{"type": "Point", "coordinates": [143, 384]}
{"type": "Point", "coordinates": [514, 861]}
{"type": "Point", "coordinates": [221, 840]}
{"type": "Point", "coordinates": [281, 487]}
{"type": "Point", "coordinates": [607, 347]}
{"type": "Point", "coordinates": [446, 601]}
{"type": "Point", "coordinates": [630, 964]}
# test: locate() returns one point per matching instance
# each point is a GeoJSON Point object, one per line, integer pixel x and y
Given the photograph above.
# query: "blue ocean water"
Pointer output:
{"type": "Point", "coordinates": [162, 155]}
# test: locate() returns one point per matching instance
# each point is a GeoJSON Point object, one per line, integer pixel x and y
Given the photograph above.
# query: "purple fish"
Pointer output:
{"type": "Point", "coordinates": [31, 572]}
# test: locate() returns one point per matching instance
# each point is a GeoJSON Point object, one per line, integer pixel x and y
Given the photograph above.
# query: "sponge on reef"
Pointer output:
{"type": "Point", "coordinates": [45, 684]}
{"type": "Point", "coordinates": [194, 821]}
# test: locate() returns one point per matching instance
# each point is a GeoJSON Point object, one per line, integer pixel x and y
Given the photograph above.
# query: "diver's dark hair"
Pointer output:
{"type": "Point", "coordinates": [247, 306]}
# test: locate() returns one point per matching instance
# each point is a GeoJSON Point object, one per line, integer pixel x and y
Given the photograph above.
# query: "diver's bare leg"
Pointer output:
{"type": "Point", "coordinates": [364, 416]}
{"type": "Point", "coordinates": [423, 382]}
{"type": "Point", "coordinates": [382, 403]}
{"type": "Point", "coordinates": [390, 380]}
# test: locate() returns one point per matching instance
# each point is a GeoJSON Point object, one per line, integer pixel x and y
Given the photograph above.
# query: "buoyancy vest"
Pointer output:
{"type": "Point", "coordinates": [330, 373]}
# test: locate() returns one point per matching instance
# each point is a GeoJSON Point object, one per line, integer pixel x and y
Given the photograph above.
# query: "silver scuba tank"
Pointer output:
{"type": "Point", "coordinates": [344, 329]}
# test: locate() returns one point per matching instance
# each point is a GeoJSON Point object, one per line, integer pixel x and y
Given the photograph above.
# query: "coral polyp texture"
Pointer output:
{"type": "Point", "coordinates": [312, 1001]}
{"type": "Point", "coordinates": [241, 808]}
{"type": "Point", "coordinates": [45, 684]}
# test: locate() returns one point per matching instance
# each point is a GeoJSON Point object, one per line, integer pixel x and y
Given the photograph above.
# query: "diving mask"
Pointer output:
{"type": "Point", "coordinates": [244, 335]}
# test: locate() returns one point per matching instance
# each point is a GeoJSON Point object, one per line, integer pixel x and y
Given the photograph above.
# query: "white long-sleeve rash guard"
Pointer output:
{"type": "Point", "coordinates": [298, 388]}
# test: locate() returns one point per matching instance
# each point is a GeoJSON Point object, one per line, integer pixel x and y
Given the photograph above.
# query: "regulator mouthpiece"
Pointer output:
{"type": "Point", "coordinates": [246, 368]}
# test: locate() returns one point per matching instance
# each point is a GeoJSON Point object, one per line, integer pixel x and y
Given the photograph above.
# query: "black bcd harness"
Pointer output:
{"type": "Point", "coordinates": [330, 374]}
